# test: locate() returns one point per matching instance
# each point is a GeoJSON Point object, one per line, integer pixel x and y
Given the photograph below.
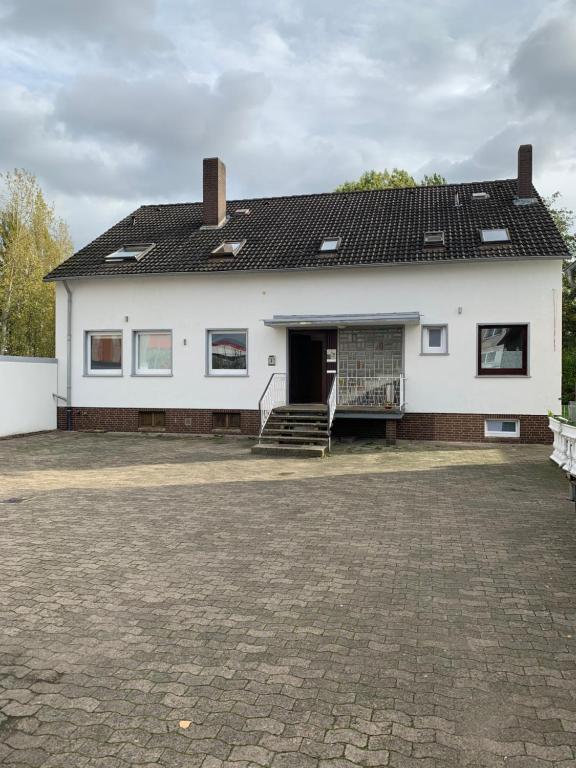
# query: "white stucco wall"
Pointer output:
{"type": "Point", "coordinates": [487, 292]}
{"type": "Point", "coordinates": [26, 388]}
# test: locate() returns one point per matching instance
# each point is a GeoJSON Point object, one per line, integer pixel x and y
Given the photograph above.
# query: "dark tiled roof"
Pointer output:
{"type": "Point", "coordinates": [378, 227]}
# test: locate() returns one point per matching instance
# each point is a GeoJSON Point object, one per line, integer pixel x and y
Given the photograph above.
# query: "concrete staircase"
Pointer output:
{"type": "Point", "coordinates": [296, 430]}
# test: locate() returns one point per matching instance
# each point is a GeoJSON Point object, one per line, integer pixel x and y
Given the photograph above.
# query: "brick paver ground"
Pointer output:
{"type": "Point", "coordinates": [179, 602]}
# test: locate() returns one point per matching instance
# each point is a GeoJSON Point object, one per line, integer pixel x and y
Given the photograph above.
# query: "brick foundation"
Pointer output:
{"type": "Point", "coordinates": [191, 420]}
{"type": "Point", "coordinates": [467, 427]}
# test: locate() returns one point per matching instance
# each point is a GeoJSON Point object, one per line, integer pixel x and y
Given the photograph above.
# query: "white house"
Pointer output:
{"type": "Point", "coordinates": [427, 312]}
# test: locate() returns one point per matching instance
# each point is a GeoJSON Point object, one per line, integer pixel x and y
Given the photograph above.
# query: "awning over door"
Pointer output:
{"type": "Point", "coordinates": [343, 321]}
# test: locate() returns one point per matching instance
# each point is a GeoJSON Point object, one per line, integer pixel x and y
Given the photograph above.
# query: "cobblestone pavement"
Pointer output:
{"type": "Point", "coordinates": [180, 602]}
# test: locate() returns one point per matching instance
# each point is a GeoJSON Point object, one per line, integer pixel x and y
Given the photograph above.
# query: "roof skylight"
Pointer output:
{"type": "Point", "coordinates": [434, 238]}
{"type": "Point", "coordinates": [133, 252]}
{"type": "Point", "coordinates": [330, 244]}
{"type": "Point", "coordinates": [228, 248]}
{"type": "Point", "coordinates": [480, 195]}
{"type": "Point", "coordinates": [495, 235]}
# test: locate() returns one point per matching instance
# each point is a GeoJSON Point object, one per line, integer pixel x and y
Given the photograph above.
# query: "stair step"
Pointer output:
{"type": "Point", "coordinates": [295, 432]}
{"type": "Point", "coordinates": [283, 438]}
{"type": "Point", "coordinates": [298, 417]}
{"type": "Point", "coordinates": [293, 451]}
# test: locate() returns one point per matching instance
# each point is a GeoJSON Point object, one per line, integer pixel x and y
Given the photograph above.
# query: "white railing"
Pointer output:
{"type": "Point", "coordinates": [371, 391]}
{"type": "Point", "coordinates": [564, 447]}
{"type": "Point", "coordinates": [273, 396]}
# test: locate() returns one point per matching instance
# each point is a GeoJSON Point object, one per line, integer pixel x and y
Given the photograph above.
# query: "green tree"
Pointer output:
{"type": "Point", "coordinates": [32, 242]}
{"type": "Point", "coordinates": [565, 220]}
{"type": "Point", "coordinates": [386, 179]}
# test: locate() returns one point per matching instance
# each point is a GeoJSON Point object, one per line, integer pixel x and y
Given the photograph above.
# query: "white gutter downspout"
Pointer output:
{"type": "Point", "coordinates": [68, 358]}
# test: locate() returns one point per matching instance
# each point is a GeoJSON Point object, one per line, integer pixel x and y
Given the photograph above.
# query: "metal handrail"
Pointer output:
{"type": "Point", "coordinates": [273, 396]}
{"type": "Point", "coordinates": [332, 402]}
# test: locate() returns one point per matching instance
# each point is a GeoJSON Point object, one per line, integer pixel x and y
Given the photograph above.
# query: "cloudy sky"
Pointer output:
{"type": "Point", "coordinates": [114, 103]}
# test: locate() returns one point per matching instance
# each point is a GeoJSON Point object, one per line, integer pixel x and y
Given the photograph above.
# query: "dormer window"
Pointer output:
{"type": "Point", "coordinates": [133, 252]}
{"type": "Point", "coordinates": [434, 238]}
{"type": "Point", "coordinates": [228, 248]}
{"type": "Point", "coordinates": [329, 244]}
{"type": "Point", "coordinates": [495, 235]}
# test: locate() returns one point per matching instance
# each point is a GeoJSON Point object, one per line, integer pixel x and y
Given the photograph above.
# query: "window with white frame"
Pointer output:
{"type": "Point", "coordinates": [104, 353]}
{"type": "Point", "coordinates": [434, 340]}
{"type": "Point", "coordinates": [502, 428]}
{"type": "Point", "coordinates": [153, 353]}
{"type": "Point", "coordinates": [227, 353]}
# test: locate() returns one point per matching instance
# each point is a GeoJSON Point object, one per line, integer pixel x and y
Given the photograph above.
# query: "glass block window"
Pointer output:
{"type": "Point", "coordinates": [153, 353]}
{"type": "Point", "coordinates": [104, 353]}
{"type": "Point", "coordinates": [227, 353]}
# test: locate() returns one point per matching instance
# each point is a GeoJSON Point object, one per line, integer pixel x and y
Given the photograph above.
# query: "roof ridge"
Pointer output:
{"type": "Point", "coordinates": [335, 193]}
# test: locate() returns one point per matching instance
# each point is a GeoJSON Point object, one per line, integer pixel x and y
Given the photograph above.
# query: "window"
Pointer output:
{"type": "Point", "coordinates": [330, 244]}
{"type": "Point", "coordinates": [132, 252]}
{"type": "Point", "coordinates": [228, 248]}
{"type": "Point", "coordinates": [480, 196]}
{"type": "Point", "coordinates": [153, 353]}
{"type": "Point", "coordinates": [501, 428]}
{"type": "Point", "coordinates": [434, 238]}
{"type": "Point", "coordinates": [226, 421]}
{"type": "Point", "coordinates": [502, 350]}
{"type": "Point", "coordinates": [104, 353]}
{"type": "Point", "coordinates": [227, 353]}
{"type": "Point", "coordinates": [434, 340]}
{"type": "Point", "coordinates": [494, 235]}
{"type": "Point", "coordinates": [152, 420]}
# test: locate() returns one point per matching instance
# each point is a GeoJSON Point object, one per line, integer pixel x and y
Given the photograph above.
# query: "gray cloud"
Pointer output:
{"type": "Point", "coordinates": [119, 25]}
{"type": "Point", "coordinates": [113, 103]}
{"type": "Point", "coordinates": [544, 69]}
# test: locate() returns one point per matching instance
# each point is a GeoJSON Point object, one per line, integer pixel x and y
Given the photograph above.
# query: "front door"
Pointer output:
{"type": "Point", "coordinates": [312, 365]}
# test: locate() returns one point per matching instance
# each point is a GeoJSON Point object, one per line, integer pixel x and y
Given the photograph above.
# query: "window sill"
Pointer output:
{"type": "Point", "coordinates": [151, 375]}
{"type": "Point", "coordinates": [226, 375]}
{"type": "Point", "coordinates": [434, 354]}
{"type": "Point", "coordinates": [102, 375]}
{"type": "Point", "coordinates": [223, 431]}
{"type": "Point", "coordinates": [503, 376]}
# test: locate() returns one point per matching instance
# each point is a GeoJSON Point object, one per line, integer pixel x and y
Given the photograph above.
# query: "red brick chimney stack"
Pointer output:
{"type": "Point", "coordinates": [214, 178]}
{"type": "Point", "coordinates": [525, 171]}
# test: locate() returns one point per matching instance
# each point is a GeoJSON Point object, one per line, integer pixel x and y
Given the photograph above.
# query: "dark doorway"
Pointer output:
{"type": "Point", "coordinates": [312, 364]}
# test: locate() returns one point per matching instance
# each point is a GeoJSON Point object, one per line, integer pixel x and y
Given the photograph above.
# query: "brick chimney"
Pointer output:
{"type": "Point", "coordinates": [524, 188]}
{"type": "Point", "coordinates": [214, 208]}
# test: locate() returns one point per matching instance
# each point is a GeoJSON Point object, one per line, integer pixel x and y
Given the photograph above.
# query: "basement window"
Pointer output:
{"type": "Point", "coordinates": [329, 244]}
{"type": "Point", "coordinates": [228, 248]}
{"type": "Point", "coordinates": [495, 235]}
{"type": "Point", "coordinates": [152, 421]}
{"type": "Point", "coordinates": [226, 421]}
{"type": "Point", "coordinates": [434, 238]}
{"type": "Point", "coordinates": [133, 252]}
{"type": "Point", "coordinates": [502, 428]}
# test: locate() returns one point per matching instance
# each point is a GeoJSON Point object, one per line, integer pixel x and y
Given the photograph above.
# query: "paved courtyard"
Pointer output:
{"type": "Point", "coordinates": [180, 602]}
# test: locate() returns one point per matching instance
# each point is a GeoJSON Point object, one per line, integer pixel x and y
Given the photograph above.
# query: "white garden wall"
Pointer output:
{"type": "Point", "coordinates": [462, 295]}
{"type": "Point", "coordinates": [26, 388]}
